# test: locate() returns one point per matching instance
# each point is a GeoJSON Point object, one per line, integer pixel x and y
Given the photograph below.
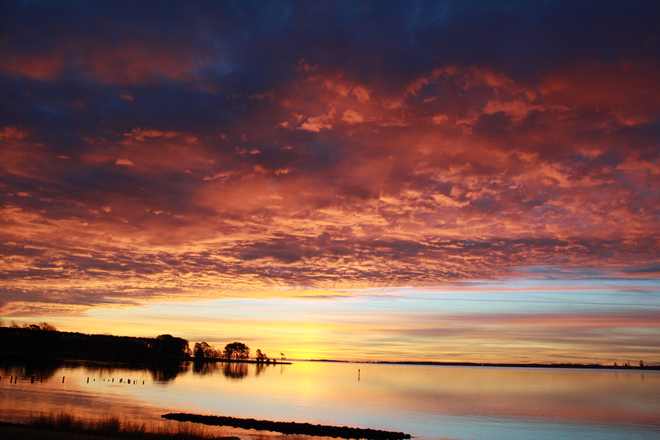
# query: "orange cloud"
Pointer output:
{"type": "Point", "coordinates": [352, 117]}
{"type": "Point", "coordinates": [317, 123]}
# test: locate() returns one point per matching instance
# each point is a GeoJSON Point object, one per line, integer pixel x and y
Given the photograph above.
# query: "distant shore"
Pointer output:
{"type": "Point", "coordinates": [509, 365]}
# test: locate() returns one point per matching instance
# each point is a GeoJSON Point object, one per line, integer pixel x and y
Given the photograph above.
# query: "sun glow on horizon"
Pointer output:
{"type": "Point", "coordinates": [549, 323]}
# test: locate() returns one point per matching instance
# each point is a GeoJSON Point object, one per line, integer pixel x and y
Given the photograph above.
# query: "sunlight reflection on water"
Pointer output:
{"type": "Point", "coordinates": [429, 402]}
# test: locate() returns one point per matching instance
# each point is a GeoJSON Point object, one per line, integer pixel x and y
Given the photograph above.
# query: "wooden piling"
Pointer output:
{"type": "Point", "coordinates": [63, 379]}
{"type": "Point", "coordinates": [32, 379]}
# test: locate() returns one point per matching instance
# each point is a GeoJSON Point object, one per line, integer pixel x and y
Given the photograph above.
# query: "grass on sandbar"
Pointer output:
{"type": "Point", "coordinates": [113, 427]}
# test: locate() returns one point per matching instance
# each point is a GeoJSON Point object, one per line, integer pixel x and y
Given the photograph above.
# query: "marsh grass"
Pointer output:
{"type": "Point", "coordinates": [115, 428]}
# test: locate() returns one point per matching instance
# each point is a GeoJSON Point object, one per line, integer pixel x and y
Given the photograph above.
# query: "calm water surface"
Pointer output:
{"type": "Point", "coordinates": [428, 402]}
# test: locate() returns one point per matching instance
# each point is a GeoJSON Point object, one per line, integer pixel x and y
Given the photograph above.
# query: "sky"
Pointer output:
{"type": "Point", "coordinates": [366, 180]}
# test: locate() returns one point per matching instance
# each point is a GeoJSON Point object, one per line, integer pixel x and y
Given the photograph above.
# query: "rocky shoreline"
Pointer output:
{"type": "Point", "coordinates": [290, 427]}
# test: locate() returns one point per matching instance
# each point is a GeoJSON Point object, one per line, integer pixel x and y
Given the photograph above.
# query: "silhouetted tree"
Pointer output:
{"type": "Point", "coordinates": [169, 347]}
{"type": "Point", "coordinates": [261, 357]}
{"type": "Point", "coordinates": [198, 351]}
{"type": "Point", "coordinates": [204, 350]}
{"type": "Point", "coordinates": [47, 327]}
{"type": "Point", "coordinates": [237, 350]}
{"type": "Point", "coordinates": [201, 350]}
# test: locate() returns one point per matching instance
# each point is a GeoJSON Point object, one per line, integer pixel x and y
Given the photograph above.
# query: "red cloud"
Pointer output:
{"type": "Point", "coordinates": [625, 93]}
{"type": "Point", "coordinates": [34, 66]}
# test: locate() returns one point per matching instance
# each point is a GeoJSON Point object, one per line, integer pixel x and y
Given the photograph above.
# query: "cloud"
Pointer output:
{"type": "Point", "coordinates": [124, 162]}
{"type": "Point", "coordinates": [139, 135]}
{"type": "Point", "coordinates": [415, 151]}
{"type": "Point", "coordinates": [352, 117]}
{"type": "Point", "coordinates": [317, 123]}
{"type": "Point", "coordinates": [34, 66]}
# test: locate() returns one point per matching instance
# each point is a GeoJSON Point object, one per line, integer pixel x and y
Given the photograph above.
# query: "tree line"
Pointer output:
{"type": "Point", "coordinates": [34, 340]}
{"type": "Point", "coordinates": [235, 351]}
{"type": "Point", "coordinates": [45, 339]}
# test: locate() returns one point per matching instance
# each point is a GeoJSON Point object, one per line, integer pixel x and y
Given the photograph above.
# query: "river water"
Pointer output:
{"type": "Point", "coordinates": [428, 402]}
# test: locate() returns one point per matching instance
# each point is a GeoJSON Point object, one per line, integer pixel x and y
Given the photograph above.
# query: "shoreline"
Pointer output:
{"type": "Point", "coordinates": [507, 365]}
{"type": "Point", "coordinates": [45, 358]}
{"type": "Point", "coordinates": [25, 432]}
{"type": "Point", "coordinates": [55, 430]}
{"type": "Point", "coordinates": [10, 357]}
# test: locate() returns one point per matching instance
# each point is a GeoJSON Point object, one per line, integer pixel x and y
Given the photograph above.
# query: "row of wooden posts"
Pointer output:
{"type": "Point", "coordinates": [14, 379]}
{"type": "Point", "coordinates": [128, 381]}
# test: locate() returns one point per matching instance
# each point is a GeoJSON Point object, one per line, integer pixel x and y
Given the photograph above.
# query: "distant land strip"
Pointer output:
{"type": "Point", "coordinates": [653, 366]}
{"type": "Point", "coordinates": [289, 427]}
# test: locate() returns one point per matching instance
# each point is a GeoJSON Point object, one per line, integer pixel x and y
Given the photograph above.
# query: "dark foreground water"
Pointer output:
{"type": "Point", "coordinates": [428, 402]}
